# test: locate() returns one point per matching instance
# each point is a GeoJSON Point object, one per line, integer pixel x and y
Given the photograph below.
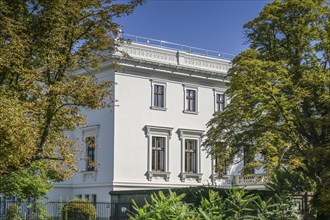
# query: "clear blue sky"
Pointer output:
{"type": "Point", "coordinates": [208, 24]}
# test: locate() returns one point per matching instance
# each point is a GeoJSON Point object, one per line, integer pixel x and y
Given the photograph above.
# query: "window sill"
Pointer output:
{"type": "Point", "coordinates": [158, 108]}
{"type": "Point", "coordinates": [190, 112]}
{"type": "Point", "coordinates": [165, 175]}
{"type": "Point", "coordinates": [197, 176]}
{"type": "Point", "coordinates": [92, 174]}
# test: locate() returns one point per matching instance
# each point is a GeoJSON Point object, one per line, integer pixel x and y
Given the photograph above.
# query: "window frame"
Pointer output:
{"type": "Point", "coordinates": [158, 83]}
{"type": "Point", "coordinates": [216, 93]}
{"type": "Point", "coordinates": [157, 150]}
{"type": "Point", "coordinates": [196, 135]}
{"type": "Point", "coordinates": [90, 131]}
{"type": "Point", "coordinates": [92, 149]}
{"type": "Point", "coordinates": [164, 132]}
{"type": "Point", "coordinates": [185, 94]}
{"type": "Point", "coordinates": [191, 165]}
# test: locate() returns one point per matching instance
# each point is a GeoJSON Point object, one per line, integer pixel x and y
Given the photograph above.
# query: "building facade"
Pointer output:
{"type": "Point", "coordinates": [152, 138]}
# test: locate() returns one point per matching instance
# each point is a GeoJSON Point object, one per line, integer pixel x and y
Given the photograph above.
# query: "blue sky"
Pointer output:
{"type": "Point", "coordinates": [208, 24]}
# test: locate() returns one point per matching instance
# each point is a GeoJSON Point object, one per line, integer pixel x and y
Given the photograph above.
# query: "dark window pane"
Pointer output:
{"type": "Point", "coordinates": [159, 96]}
{"type": "Point", "coordinates": [158, 153]}
{"type": "Point", "coordinates": [90, 142]}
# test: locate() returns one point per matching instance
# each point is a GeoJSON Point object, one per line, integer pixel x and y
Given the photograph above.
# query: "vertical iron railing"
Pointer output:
{"type": "Point", "coordinates": [32, 210]}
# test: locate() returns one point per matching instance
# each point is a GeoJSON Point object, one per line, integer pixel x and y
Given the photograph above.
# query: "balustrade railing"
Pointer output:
{"type": "Point", "coordinates": [250, 179]}
{"type": "Point", "coordinates": [179, 47]}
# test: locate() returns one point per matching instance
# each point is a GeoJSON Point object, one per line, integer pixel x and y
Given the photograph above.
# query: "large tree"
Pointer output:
{"type": "Point", "coordinates": [279, 94]}
{"type": "Point", "coordinates": [42, 42]}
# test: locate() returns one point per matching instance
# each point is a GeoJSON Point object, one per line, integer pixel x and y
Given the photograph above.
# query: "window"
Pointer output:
{"type": "Point", "coordinates": [159, 96]}
{"type": "Point", "coordinates": [191, 154]}
{"type": "Point", "coordinates": [158, 152]}
{"type": "Point", "coordinates": [158, 91]}
{"type": "Point", "coordinates": [90, 143]}
{"type": "Point", "coordinates": [93, 199]}
{"type": "Point", "coordinates": [87, 197]}
{"type": "Point", "coordinates": [191, 100]}
{"type": "Point", "coordinates": [247, 158]}
{"type": "Point", "coordinates": [90, 137]}
{"type": "Point", "coordinates": [219, 102]}
{"type": "Point", "coordinates": [222, 171]}
{"type": "Point", "coordinates": [79, 196]}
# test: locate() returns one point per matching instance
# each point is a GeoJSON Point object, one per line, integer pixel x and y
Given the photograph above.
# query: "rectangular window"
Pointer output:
{"type": "Point", "coordinates": [94, 199]}
{"type": "Point", "coordinates": [158, 153]}
{"type": "Point", "coordinates": [220, 102]}
{"type": "Point", "coordinates": [87, 197]}
{"type": "Point", "coordinates": [191, 100]}
{"type": "Point", "coordinates": [247, 159]}
{"type": "Point", "coordinates": [224, 170]}
{"type": "Point", "coordinates": [159, 96]}
{"type": "Point", "coordinates": [90, 142]}
{"type": "Point", "coordinates": [190, 156]}
{"type": "Point", "coordinates": [79, 196]}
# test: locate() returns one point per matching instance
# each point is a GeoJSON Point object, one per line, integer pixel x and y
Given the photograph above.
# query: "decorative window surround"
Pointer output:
{"type": "Point", "coordinates": [165, 132]}
{"type": "Point", "coordinates": [191, 135]}
{"type": "Point", "coordinates": [186, 107]}
{"type": "Point", "coordinates": [153, 105]}
{"type": "Point", "coordinates": [216, 93]}
{"type": "Point", "coordinates": [90, 131]}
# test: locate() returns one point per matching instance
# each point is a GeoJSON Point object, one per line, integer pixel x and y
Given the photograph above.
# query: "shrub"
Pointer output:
{"type": "Point", "coordinates": [163, 207]}
{"type": "Point", "coordinates": [13, 213]}
{"type": "Point", "coordinates": [78, 209]}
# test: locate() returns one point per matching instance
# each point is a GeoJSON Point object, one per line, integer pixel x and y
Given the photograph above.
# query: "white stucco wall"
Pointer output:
{"type": "Point", "coordinates": [122, 142]}
{"type": "Point", "coordinates": [133, 90]}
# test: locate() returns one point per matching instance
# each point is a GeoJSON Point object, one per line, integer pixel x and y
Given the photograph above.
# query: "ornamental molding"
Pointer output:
{"type": "Point", "coordinates": [162, 57]}
{"type": "Point", "coordinates": [150, 129]}
{"type": "Point", "coordinates": [189, 133]}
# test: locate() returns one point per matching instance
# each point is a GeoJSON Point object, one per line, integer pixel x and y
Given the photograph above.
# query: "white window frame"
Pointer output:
{"type": "Point", "coordinates": [194, 88]}
{"type": "Point", "coordinates": [191, 135]}
{"type": "Point", "coordinates": [157, 131]}
{"type": "Point", "coordinates": [164, 84]}
{"type": "Point", "coordinates": [219, 92]}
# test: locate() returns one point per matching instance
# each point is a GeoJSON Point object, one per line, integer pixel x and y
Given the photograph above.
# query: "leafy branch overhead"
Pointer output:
{"type": "Point", "coordinates": [42, 43]}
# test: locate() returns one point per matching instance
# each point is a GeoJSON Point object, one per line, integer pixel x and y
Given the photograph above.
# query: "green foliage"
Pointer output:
{"type": "Point", "coordinates": [287, 181]}
{"type": "Point", "coordinates": [78, 209]}
{"type": "Point", "coordinates": [212, 208]}
{"type": "Point", "coordinates": [280, 97]}
{"type": "Point", "coordinates": [239, 204]}
{"type": "Point", "coordinates": [236, 204]}
{"type": "Point", "coordinates": [163, 207]}
{"type": "Point", "coordinates": [14, 213]}
{"type": "Point", "coordinates": [41, 44]}
{"type": "Point", "coordinates": [25, 184]}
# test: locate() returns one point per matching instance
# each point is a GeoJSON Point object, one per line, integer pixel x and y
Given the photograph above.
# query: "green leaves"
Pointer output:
{"type": "Point", "coordinates": [279, 93]}
{"type": "Point", "coordinates": [42, 44]}
{"type": "Point", "coordinates": [237, 204]}
{"type": "Point", "coordinates": [163, 207]}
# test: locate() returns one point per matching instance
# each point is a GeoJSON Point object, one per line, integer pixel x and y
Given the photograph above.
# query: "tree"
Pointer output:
{"type": "Point", "coordinates": [279, 93]}
{"type": "Point", "coordinates": [42, 42]}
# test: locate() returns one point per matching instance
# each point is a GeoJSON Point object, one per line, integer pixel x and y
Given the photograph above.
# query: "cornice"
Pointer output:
{"type": "Point", "coordinates": [154, 59]}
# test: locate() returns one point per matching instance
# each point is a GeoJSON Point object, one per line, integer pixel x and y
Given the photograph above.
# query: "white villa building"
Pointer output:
{"type": "Point", "coordinates": [151, 139]}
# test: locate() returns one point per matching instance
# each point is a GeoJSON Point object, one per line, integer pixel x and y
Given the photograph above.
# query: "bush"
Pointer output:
{"type": "Point", "coordinates": [237, 204]}
{"type": "Point", "coordinates": [163, 207]}
{"type": "Point", "coordinates": [78, 209]}
{"type": "Point", "coordinates": [13, 213]}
